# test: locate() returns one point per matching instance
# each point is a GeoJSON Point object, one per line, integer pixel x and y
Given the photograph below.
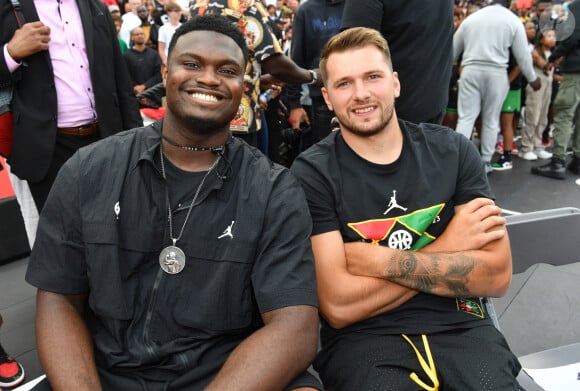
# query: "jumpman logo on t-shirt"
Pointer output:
{"type": "Point", "coordinates": [394, 204]}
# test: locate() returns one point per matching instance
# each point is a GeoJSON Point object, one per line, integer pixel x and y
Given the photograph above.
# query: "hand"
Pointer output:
{"type": "Point", "coordinates": [31, 38]}
{"type": "Point", "coordinates": [548, 67]}
{"type": "Point", "coordinates": [139, 89]}
{"type": "Point", "coordinates": [274, 91]}
{"type": "Point", "coordinates": [296, 117]}
{"type": "Point", "coordinates": [268, 81]}
{"type": "Point", "coordinates": [474, 225]}
{"type": "Point", "coordinates": [536, 84]}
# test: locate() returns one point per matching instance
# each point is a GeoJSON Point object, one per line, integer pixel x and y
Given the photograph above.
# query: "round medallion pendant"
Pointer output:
{"type": "Point", "coordinates": [172, 260]}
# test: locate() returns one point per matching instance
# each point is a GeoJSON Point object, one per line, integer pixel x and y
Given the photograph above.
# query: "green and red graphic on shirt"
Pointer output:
{"type": "Point", "coordinates": [469, 306]}
{"type": "Point", "coordinates": [406, 232]}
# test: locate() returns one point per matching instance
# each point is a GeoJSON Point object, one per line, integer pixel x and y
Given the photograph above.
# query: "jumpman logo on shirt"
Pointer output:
{"type": "Point", "coordinates": [228, 231]}
{"type": "Point", "coordinates": [394, 204]}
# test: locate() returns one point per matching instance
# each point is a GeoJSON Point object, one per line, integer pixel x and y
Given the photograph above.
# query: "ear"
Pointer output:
{"type": "Point", "coordinates": [326, 99]}
{"type": "Point", "coordinates": [164, 74]}
{"type": "Point", "coordinates": [396, 84]}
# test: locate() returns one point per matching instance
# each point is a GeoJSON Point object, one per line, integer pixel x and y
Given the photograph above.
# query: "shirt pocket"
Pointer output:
{"type": "Point", "coordinates": [217, 294]}
{"type": "Point", "coordinates": [116, 273]}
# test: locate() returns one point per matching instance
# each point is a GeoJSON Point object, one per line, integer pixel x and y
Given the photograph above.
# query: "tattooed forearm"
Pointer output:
{"type": "Point", "coordinates": [408, 265]}
{"type": "Point", "coordinates": [446, 274]}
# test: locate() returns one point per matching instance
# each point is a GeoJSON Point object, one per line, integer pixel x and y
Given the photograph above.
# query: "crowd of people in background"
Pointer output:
{"type": "Point", "coordinates": [504, 74]}
{"type": "Point", "coordinates": [300, 30]}
{"type": "Point", "coordinates": [527, 114]}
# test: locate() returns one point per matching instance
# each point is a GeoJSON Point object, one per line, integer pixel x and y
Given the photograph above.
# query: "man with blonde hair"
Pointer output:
{"type": "Point", "coordinates": [168, 29]}
{"type": "Point", "coordinates": [406, 239]}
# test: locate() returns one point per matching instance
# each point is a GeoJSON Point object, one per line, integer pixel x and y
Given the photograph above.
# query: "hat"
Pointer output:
{"type": "Point", "coordinates": [114, 8]}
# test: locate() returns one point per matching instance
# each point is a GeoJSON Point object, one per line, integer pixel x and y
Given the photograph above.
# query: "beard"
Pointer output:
{"type": "Point", "coordinates": [367, 129]}
{"type": "Point", "coordinates": [198, 123]}
{"type": "Point", "coordinates": [207, 126]}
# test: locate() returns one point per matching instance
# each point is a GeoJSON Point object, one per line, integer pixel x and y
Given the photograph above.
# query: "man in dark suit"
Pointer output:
{"type": "Point", "coordinates": [71, 85]}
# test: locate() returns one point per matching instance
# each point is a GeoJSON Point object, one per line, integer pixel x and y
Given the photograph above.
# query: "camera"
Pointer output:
{"type": "Point", "coordinates": [289, 148]}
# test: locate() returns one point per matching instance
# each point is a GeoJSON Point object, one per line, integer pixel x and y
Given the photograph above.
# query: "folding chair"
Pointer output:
{"type": "Point", "coordinates": [543, 237]}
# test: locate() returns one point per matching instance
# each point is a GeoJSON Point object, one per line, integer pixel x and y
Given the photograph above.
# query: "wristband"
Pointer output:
{"type": "Point", "coordinates": [314, 76]}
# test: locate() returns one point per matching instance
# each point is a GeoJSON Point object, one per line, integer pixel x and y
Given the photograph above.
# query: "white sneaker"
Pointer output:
{"type": "Point", "coordinates": [543, 154]}
{"type": "Point", "coordinates": [488, 167]}
{"type": "Point", "coordinates": [530, 155]}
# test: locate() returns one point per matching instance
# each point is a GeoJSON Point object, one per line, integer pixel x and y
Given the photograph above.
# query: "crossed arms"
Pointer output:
{"type": "Point", "coordinates": [471, 258]}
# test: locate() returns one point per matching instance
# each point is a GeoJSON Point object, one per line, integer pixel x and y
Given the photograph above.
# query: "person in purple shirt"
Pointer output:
{"type": "Point", "coordinates": [70, 84]}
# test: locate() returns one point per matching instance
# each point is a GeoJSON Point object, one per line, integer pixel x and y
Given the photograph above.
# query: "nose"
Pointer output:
{"type": "Point", "coordinates": [361, 92]}
{"type": "Point", "coordinates": [208, 76]}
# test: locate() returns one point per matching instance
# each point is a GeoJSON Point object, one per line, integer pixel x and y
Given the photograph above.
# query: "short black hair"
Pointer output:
{"type": "Point", "coordinates": [505, 3]}
{"type": "Point", "coordinates": [215, 23]}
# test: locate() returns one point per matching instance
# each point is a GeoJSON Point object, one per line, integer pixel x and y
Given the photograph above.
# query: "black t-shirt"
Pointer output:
{"type": "Point", "coordinates": [518, 81]}
{"type": "Point", "coordinates": [420, 37]}
{"type": "Point", "coordinates": [182, 185]}
{"type": "Point", "coordinates": [403, 205]}
{"type": "Point", "coordinates": [144, 67]}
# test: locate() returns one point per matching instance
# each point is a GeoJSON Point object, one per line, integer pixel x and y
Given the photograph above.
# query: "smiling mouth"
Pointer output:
{"type": "Point", "coordinates": [364, 111]}
{"type": "Point", "coordinates": [205, 97]}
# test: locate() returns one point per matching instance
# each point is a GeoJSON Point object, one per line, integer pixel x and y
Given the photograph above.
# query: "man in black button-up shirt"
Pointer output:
{"type": "Point", "coordinates": [144, 63]}
{"type": "Point", "coordinates": [174, 256]}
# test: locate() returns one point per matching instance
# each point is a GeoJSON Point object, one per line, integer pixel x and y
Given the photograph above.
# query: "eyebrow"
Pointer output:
{"type": "Point", "coordinates": [225, 61]}
{"type": "Point", "coordinates": [368, 73]}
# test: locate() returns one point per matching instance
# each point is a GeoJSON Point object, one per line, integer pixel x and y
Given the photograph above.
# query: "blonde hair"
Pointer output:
{"type": "Point", "coordinates": [354, 38]}
{"type": "Point", "coordinates": [172, 6]}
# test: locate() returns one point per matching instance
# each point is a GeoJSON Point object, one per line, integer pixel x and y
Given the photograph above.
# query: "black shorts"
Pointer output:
{"type": "Point", "coordinates": [475, 359]}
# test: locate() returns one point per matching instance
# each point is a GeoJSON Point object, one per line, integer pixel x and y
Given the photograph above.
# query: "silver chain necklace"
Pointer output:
{"type": "Point", "coordinates": [217, 149]}
{"type": "Point", "coordinates": [172, 258]}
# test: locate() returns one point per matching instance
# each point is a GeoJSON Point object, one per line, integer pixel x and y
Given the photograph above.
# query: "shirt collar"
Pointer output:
{"type": "Point", "coordinates": [151, 139]}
